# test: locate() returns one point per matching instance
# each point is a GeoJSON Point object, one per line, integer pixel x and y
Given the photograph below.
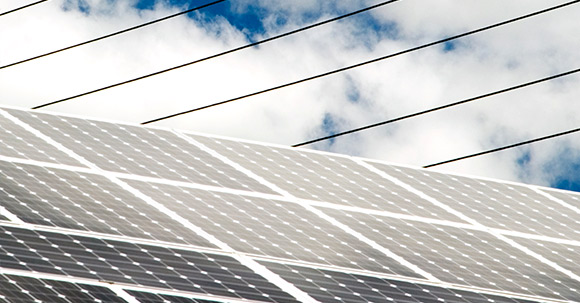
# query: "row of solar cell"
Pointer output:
{"type": "Point", "coordinates": [270, 228]}
{"type": "Point", "coordinates": [327, 178]}
{"type": "Point", "coordinates": [467, 257]}
{"type": "Point", "coordinates": [494, 204]}
{"type": "Point", "coordinates": [251, 225]}
{"type": "Point", "coordinates": [307, 175]}
{"type": "Point", "coordinates": [20, 289]}
{"type": "Point", "coordinates": [122, 262]}
{"type": "Point", "coordinates": [17, 289]}
{"type": "Point", "coordinates": [333, 286]}
{"type": "Point", "coordinates": [90, 202]}
{"type": "Point", "coordinates": [147, 297]}
{"type": "Point", "coordinates": [17, 142]}
{"type": "Point", "coordinates": [139, 151]}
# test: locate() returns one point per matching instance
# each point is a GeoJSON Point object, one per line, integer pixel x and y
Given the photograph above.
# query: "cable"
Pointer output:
{"type": "Point", "coordinates": [22, 7]}
{"type": "Point", "coordinates": [367, 62]}
{"type": "Point", "coordinates": [505, 90]}
{"type": "Point", "coordinates": [113, 34]}
{"type": "Point", "coordinates": [505, 147]}
{"type": "Point", "coordinates": [220, 54]}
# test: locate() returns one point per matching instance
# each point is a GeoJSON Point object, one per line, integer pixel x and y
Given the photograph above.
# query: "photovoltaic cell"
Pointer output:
{"type": "Point", "coordinates": [16, 289]}
{"type": "Point", "coordinates": [123, 262]}
{"type": "Point", "coordinates": [146, 297]}
{"type": "Point", "coordinates": [461, 256]}
{"type": "Point", "coordinates": [271, 228]}
{"type": "Point", "coordinates": [493, 204]}
{"type": "Point", "coordinates": [564, 255]}
{"type": "Point", "coordinates": [334, 286]}
{"type": "Point", "coordinates": [309, 175]}
{"type": "Point", "coordinates": [82, 201]}
{"type": "Point", "coordinates": [569, 197]}
{"type": "Point", "coordinates": [139, 151]}
{"type": "Point", "coordinates": [130, 244]}
{"type": "Point", "coordinates": [17, 142]}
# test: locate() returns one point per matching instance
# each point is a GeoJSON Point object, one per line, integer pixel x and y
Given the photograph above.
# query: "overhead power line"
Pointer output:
{"type": "Point", "coordinates": [113, 34]}
{"type": "Point", "coordinates": [22, 7]}
{"type": "Point", "coordinates": [367, 62]}
{"type": "Point", "coordinates": [505, 147]}
{"type": "Point", "coordinates": [221, 54]}
{"type": "Point", "coordinates": [434, 109]}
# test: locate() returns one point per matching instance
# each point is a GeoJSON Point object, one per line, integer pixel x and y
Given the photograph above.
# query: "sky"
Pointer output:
{"type": "Point", "coordinates": [520, 52]}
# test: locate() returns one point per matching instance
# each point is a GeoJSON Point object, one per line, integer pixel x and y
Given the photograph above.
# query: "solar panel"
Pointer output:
{"type": "Point", "coordinates": [94, 211]}
{"type": "Point", "coordinates": [494, 204]}
{"type": "Point", "coordinates": [324, 177]}
{"type": "Point", "coordinates": [25, 289]}
{"type": "Point", "coordinates": [16, 142]}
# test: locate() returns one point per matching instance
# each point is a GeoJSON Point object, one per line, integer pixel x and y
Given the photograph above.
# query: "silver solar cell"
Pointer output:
{"type": "Point", "coordinates": [94, 211]}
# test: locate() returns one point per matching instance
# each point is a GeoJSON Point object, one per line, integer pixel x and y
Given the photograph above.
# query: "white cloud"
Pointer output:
{"type": "Point", "coordinates": [479, 64]}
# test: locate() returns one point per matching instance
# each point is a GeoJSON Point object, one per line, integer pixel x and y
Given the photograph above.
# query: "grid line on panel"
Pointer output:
{"type": "Point", "coordinates": [46, 138]}
{"type": "Point", "coordinates": [551, 196]}
{"type": "Point", "coordinates": [118, 238]}
{"type": "Point", "coordinates": [340, 286]}
{"type": "Point", "coordinates": [228, 161]}
{"type": "Point", "coordinates": [371, 274]}
{"type": "Point", "coordinates": [90, 202]}
{"type": "Point", "coordinates": [469, 257]}
{"type": "Point", "coordinates": [475, 222]}
{"type": "Point", "coordinates": [494, 204]}
{"type": "Point", "coordinates": [94, 285]}
{"type": "Point", "coordinates": [126, 263]}
{"type": "Point", "coordinates": [270, 227]}
{"type": "Point", "coordinates": [36, 288]}
{"type": "Point", "coordinates": [19, 142]}
{"type": "Point", "coordinates": [314, 176]}
{"type": "Point", "coordinates": [270, 276]}
{"type": "Point", "coordinates": [137, 150]}
{"type": "Point", "coordinates": [321, 215]}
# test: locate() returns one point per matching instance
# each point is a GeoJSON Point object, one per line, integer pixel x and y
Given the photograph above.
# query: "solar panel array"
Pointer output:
{"type": "Point", "coordinates": [94, 211]}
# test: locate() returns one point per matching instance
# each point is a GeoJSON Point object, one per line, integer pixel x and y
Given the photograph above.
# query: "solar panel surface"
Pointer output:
{"type": "Point", "coordinates": [93, 211]}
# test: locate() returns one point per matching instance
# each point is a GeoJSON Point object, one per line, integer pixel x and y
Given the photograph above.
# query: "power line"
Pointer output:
{"type": "Point", "coordinates": [113, 34]}
{"type": "Point", "coordinates": [501, 91]}
{"type": "Point", "coordinates": [367, 62]}
{"type": "Point", "coordinates": [22, 7]}
{"type": "Point", "coordinates": [221, 54]}
{"type": "Point", "coordinates": [505, 147]}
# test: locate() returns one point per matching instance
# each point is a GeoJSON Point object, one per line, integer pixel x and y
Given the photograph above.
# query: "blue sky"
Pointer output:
{"type": "Point", "coordinates": [461, 69]}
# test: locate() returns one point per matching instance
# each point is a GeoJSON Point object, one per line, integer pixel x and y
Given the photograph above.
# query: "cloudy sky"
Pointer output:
{"type": "Point", "coordinates": [524, 51]}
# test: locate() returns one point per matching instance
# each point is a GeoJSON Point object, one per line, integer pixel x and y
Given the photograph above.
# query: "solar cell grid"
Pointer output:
{"type": "Point", "coordinates": [492, 204]}
{"type": "Point", "coordinates": [139, 151]}
{"type": "Point", "coordinates": [271, 228]}
{"type": "Point", "coordinates": [25, 289]}
{"type": "Point", "coordinates": [146, 297]}
{"type": "Point", "coordinates": [467, 257]}
{"type": "Point", "coordinates": [333, 286]}
{"type": "Point", "coordinates": [570, 198]}
{"type": "Point", "coordinates": [17, 142]}
{"type": "Point", "coordinates": [83, 201]}
{"type": "Point", "coordinates": [564, 255]}
{"type": "Point", "coordinates": [265, 228]}
{"type": "Point", "coordinates": [138, 264]}
{"type": "Point", "coordinates": [309, 175]}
